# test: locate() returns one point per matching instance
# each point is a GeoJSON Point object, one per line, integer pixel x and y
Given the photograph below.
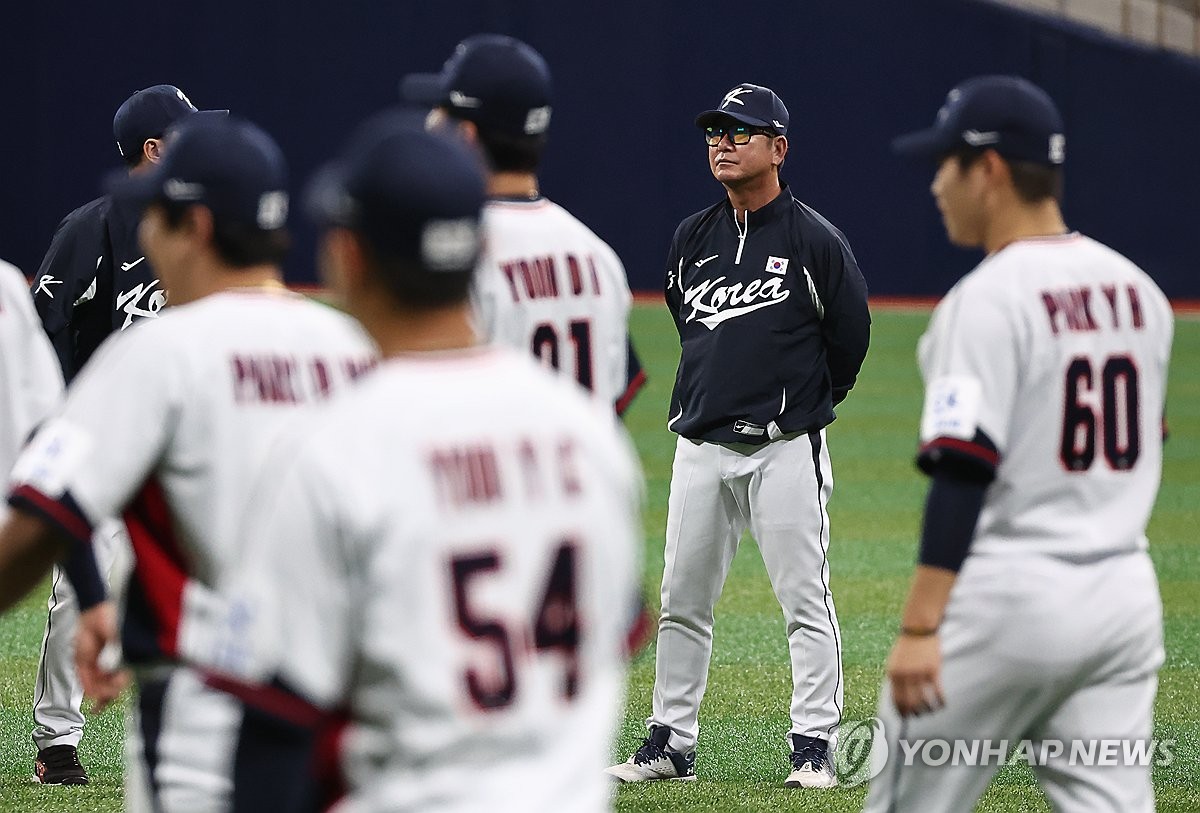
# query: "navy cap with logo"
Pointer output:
{"type": "Point", "coordinates": [755, 105]}
{"type": "Point", "coordinates": [149, 113]}
{"type": "Point", "coordinates": [226, 164]}
{"type": "Point", "coordinates": [1009, 114]}
{"type": "Point", "coordinates": [498, 82]}
{"type": "Point", "coordinates": [412, 194]}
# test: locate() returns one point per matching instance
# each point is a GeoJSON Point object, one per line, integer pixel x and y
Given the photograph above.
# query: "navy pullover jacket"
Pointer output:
{"type": "Point", "coordinates": [772, 319]}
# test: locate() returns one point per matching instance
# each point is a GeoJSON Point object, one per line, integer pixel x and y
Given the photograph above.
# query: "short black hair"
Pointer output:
{"type": "Point", "coordinates": [1033, 182]}
{"type": "Point", "coordinates": [413, 285]}
{"type": "Point", "coordinates": [237, 244]}
{"type": "Point", "coordinates": [506, 152]}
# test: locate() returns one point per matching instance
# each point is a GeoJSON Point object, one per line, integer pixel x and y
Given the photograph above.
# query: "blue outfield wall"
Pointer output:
{"type": "Point", "coordinates": [630, 76]}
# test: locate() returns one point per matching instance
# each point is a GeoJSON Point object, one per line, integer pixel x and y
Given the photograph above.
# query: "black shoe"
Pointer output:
{"type": "Point", "coordinates": [59, 765]}
{"type": "Point", "coordinates": [811, 765]}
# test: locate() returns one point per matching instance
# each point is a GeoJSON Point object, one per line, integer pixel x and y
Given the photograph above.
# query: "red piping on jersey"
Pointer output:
{"type": "Point", "coordinates": [69, 520]}
{"type": "Point", "coordinates": [332, 786]}
{"type": "Point", "coordinates": [476, 352]}
{"type": "Point", "coordinates": [992, 458]}
{"type": "Point", "coordinates": [158, 562]}
{"type": "Point", "coordinates": [330, 729]}
{"type": "Point", "coordinates": [1050, 238]}
{"type": "Point", "coordinates": [274, 701]}
{"type": "Point", "coordinates": [634, 387]}
{"type": "Point", "coordinates": [1044, 239]}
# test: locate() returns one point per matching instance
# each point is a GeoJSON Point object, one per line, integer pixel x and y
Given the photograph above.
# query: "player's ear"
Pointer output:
{"type": "Point", "coordinates": [996, 168]}
{"type": "Point", "coordinates": [779, 149]}
{"type": "Point", "coordinates": [199, 221]}
{"type": "Point", "coordinates": [152, 150]}
{"type": "Point", "coordinates": [341, 261]}
{"type": "Point", "coordinates": [468, 132]}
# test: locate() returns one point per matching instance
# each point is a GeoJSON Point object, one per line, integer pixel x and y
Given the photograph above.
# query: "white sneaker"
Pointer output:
{"type": "Point", "coordinates": [655, 761]}
{"type": "Point", "coordinates": [811, 764]}
{"type": "Point", "coordinates": [806, 776]}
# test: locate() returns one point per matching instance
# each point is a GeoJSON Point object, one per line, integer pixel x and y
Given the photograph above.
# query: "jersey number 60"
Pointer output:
{"type": "Point", "coordinates": [1117, 414]}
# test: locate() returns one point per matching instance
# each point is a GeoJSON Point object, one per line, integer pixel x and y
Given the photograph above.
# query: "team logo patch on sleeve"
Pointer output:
{"type": "Point", "coordinates": [951, 408]}
{"type": "Point", "coordinates": [52, 458]}
{"type": "Point", "coordinates": [777, 265]}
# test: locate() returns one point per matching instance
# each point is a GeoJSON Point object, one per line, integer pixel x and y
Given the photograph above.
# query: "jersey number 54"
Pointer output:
{"type": "Point", "coordinates": [554, 627]}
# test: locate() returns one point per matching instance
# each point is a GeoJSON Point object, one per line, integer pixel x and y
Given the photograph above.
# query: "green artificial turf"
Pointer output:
{"type": "Point", "coordinates": [875, 516]}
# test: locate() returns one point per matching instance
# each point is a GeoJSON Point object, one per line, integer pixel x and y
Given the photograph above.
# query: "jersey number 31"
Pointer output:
{"type": "Point", "coordinates": [545, 347]}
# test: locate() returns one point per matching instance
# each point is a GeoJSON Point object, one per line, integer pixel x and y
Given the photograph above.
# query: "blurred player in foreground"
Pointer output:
{"type": "Point", "coordinates": [442, 552]}
{"type": "Point", "coordinates": [165, 425]}
{"type": "Point", "coordinates": [31, 385]}
{"type": "Point", "coordinates": [93, 281]}
{"type": "Point", "coordinates": [1034, 613]}
{"type": "Point", "coordinates": [545, 283]}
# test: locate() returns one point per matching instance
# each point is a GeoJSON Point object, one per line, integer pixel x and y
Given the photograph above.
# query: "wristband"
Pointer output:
{"type": "Point", "coordinates": [916, 633]}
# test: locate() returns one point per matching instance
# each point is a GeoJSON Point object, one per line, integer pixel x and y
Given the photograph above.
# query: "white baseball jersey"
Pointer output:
{"type": "Point", "coordinates": [32, 381]}
{"type": "Point", "coordinates": [547, 284]}
{"type": "Point", "coordinates": [169, 425]}
{"type": "Point", "coordinates": [460, 573]}
{"type": "Point", "coordinates": [1047, 363]}
{"type": "Point", "coordinates": [1056, 350]}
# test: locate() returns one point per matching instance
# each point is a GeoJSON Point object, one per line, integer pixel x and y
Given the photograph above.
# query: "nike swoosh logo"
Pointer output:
{"type": "Point", "coordinates": [127, 266]}
{"type": "Point", "coordinates": [700, 263]}
{"type": "Point", "coordinates": [715, 319]}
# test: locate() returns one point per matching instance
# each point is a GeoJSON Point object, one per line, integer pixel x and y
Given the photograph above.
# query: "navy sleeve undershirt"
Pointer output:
{"type": "Point", "coordinates": [951, 512]}
{"type": "Point", "coordinates": [960, 472]}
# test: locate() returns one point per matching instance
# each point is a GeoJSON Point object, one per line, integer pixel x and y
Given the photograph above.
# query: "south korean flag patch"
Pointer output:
{"type": "Point", "coordinates": [777, 265]}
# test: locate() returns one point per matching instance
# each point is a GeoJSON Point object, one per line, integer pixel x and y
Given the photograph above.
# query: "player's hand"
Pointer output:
{"type": "Point", "coordinates": [96, 656]}
{"type": "Point", "coordinates": [914, 669]}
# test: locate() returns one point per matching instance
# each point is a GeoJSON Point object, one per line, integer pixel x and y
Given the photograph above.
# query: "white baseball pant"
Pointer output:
{"type": "Point", "coordinates": [57, 692]}
{"type": "Point", "coordinates": [1042, 649]}
{"type": "Point", "coordinates": [779, 491]}
{"type": "Point", "coordinates": [180, 744]}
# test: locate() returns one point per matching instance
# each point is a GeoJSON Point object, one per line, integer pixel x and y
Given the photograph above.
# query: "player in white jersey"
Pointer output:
{"type": "Point", "coordinates": [546, 283]}
{"type": "Point", "coordinates": [214, 379]}
{"type": "Point", "coordinates": [455, 573]}
{"type": "Point", "coordinates": [1034, 616]}
{"type": "Point", "coordinates": [32, 381]}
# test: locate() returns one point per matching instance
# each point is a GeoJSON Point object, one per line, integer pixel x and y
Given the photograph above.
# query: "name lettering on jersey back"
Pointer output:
{"type": "Point", "coordinates": [479, 474]}
{"type": "Point", "coordinates": [542, 278]}
{"type": "Point", "coordinates": [1070, 309]}
{"type": "Point", "coordinates": [724, 302]}
{"type": "Point", "coordinates": [278, 379]}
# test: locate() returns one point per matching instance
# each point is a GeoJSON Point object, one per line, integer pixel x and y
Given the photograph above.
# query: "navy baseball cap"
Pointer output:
{"type": "Point", "coordinates": [227, 164]}
{"type": "Point", "coordinates": [498, 82]}
{"type": "Point", "coordinates": [1008, 114]}
{"type": "Point", "coordinates": [410, 193]}
{"type": "Point", "coordinates": [755, 105]}
{"type": "Point", "coordinates": [149, 113]}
